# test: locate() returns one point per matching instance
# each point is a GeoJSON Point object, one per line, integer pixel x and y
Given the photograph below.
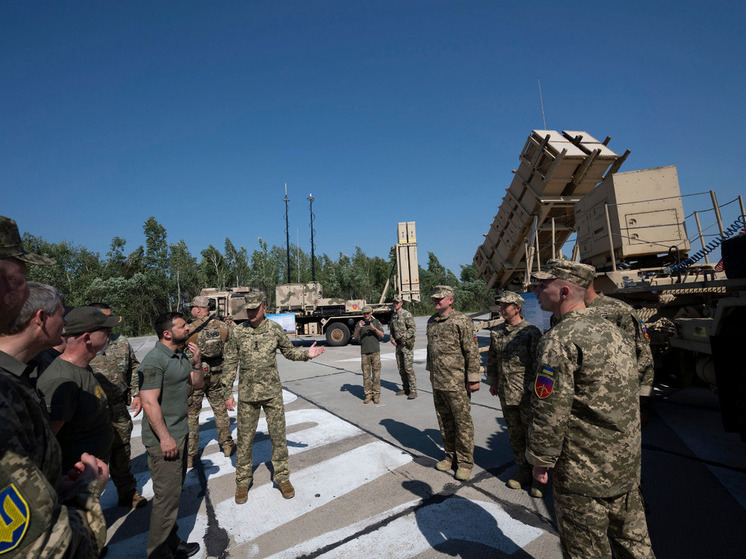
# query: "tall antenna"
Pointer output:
{"type": "Point", "coordinates": [313, 258]}
{"type": "Point", "coordinates": [541, 99]}
{"type": "Point", "coordinates": [287, 231]}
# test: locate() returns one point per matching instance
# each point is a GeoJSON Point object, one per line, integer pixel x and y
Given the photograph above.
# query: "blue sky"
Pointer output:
{"type": "Point", "coordinates": [197, 113]}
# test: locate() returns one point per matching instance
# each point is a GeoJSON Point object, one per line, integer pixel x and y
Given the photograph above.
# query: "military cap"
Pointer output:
{"type": "Point", "coordinates": [88, 319]}
{"type": "Point", "coordinates": [366, 308]}
{"type": "Point", "coordinates": [254, 299]}
{"type": "Point", "coordinates": [11, 246]}
{"type": "Point", "coordinates": [442, 291]}
{"type": "Point", "coordinates": [573, 272]}
{"type": "Point", "coordinates": [509, 297]}
{"type": "Point", "coordinates": [200, 301]}
{"type": "Point", "coordinates": [398, 298]}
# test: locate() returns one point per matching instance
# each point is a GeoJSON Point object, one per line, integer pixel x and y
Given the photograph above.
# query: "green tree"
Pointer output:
{"type": "Point", "coordinates": [184, 281]}
{"type": "Point", "coordinates": [238, 270]}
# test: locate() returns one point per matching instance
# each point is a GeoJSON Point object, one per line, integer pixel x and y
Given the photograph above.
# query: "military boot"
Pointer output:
{"type": "Point", "coordinates": [242, 494]}
{"type": "Point", "coordinates": [444, 465]}
{"type": "Point", "coordinates": [401, 393]}
{"type": "Point", "coordinates": [133, 501]}
{"type": "Point", "coordinates": [462, 474]}
{"type": "Point", "coordinates": [412, 395]}
{"type": "Point", "coordinates": [376, 400]}
{"type": "Point", "coordinates": [537, 489]}
{"type": "Point", "coordinates": [523, 477]}
{"type": "Point", "coordinates": [229, 449]}
{"type": "Point", "coordinates": [287, 489]}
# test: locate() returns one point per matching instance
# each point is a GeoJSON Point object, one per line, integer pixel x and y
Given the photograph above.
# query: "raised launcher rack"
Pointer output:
{"type": "Point", "coordinates": [555, 172]}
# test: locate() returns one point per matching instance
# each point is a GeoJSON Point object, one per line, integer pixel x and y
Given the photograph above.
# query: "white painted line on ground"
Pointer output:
{"type": "Point", "coordinates": [324, 429]}
{"type": "Point", "coordinates": [315, 486]}
{"type": "Point", "coordinates": [455, 519]}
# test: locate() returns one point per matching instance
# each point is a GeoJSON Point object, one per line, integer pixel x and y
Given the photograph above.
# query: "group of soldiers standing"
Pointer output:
{"type": "Point", "coordinates": [569, 399]}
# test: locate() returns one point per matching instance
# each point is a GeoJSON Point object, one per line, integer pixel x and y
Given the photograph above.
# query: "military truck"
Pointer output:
{"type": "Point", "coordinates": [228, 302]}
{"type": "Point", "coordinates": [335, 318]}
{"type": "Point", "coordinates": [631, 227]}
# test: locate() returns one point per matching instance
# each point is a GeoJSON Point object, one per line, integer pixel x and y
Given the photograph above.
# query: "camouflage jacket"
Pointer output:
{"type": "Point", "coordinates": [116, 370]}
{"type": "Point", "coordinates": [45, 520]}
{"type": "Point", "coordinates": [452, 353]}
{"type": "Point", "coordinates": [211, 340]}
{"type": "Point", "coordinates": [254, 350]}
{"type": "Point", "coordinates": [623, 315]}
{"type": "Point", "coordinates": [585, 415]}
{"type": "Point", "coordinates": [402, 327]}
{"type": "Point", "coordinates": [511, 359]}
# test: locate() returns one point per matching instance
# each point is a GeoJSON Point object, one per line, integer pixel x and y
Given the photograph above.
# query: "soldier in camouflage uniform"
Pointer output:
{"type": "Point", "coordinates": [623, 315]}
{"type": "Point", "coordinates": [585, 422]}
{"type": "Point", "coordinates": [210, 334]}
{"type": "Point", "coordinates": [402, 330]}
{"type": "Point", "coordinates": [453, 362]}
{"type": "Point", "coordinates": [253, 346]}
{"type": "Point", "coordinates": [48, 516]}
{"type": "Point", "coordinates": [116, 371]}
{"type": "Point", "coordinates": [510, 374]}
{"type": "Point", "coordinates": [368, 332]}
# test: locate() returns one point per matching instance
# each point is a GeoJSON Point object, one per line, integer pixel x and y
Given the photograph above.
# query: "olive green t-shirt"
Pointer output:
{"type": "Point", "coordinates": [369, 342]}
{"type": "Point", "coordinates": [168, 371]}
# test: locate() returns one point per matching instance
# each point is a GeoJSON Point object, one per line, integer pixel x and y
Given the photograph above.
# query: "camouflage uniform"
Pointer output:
{"type": "Point", "coordinates": [585, 424]}
{"type": "Point", "coordinates": [510, 365]}
{"type": "Point", "coordinates": [255, 350]}
{"type": "Point", "coordinates": [453, 361]}
{"type": "Point", "coordinates": [623, 315]}
{"type": "Point", "coordinates": [116, 372]}
{"type": "Point", "coordinates": [402, 330]}
{"type": "Point", "coordinates": [44, 520]}
{"type": "Point", "coordinates": [211, 341]}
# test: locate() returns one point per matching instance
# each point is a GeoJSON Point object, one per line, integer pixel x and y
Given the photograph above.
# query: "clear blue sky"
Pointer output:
{"type": "Point", "coordinates": [198, 112]}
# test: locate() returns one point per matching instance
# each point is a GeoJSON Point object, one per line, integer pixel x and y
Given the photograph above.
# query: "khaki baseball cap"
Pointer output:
{"type": "Point", "coordinates": [11, 246]}
{"type": "Point", "coordinates": [442, 291]}
{"type": "Point", "coordinates": [573, 272]}
{"type": "Point", "coordinates": [366, 308]}
{"type": "Point", "coordinates": [510, 297]}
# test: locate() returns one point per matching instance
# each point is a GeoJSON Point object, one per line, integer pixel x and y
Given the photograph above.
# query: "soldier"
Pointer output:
{"type": "Point", "coordinates": [453, 362]}
{"type": "Point", "coordinates": [115, 368]}
{"type": "Point", "coordinates": [78, 407]}
{"type": "Point", "coordinates": [585, 422]}
{"type": "Point", "coordinates": [623, 315]}
{"type": "Point", "coordinates": [210, 334]}
{"type": "Point", "coordinates": [253, 345]}
{"type": "Point", "coordinates": [165, 375]}
{"type": "Point", "coordinates": [402, 330]}
{"type": "Point", "coordinates": [368, 332]}
{"type": "Point", "coordinates": [47, 515]}
{"type": "Point", "coordinates": [510, 370]}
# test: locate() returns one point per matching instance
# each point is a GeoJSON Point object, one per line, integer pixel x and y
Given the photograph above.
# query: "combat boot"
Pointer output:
{"type": "Point", "coordinates": [286, 488]}
{"type": "Point", "coordinates": [134, 501]}
{"type": "Point", "coordinates": [462, 474]}
{"type": "Point", "coordinates": [242, 494]}
{"type": "Point", "coordinates": [537, 489]}
{"type": "Point", "coordinates": [523, 477]}
{"type": "Point", "coordinates": [229, 449]}
{"type": "Point", "coordinates": [443, 465]}
{"type": "Point", "coordinates": [376, 400]}
{"type": "Point", "coordinates": [368, 399]}
{"type": "Point", "coordinates": [412, 395]}
{"type": "Point", "coordinates": [402, 393]}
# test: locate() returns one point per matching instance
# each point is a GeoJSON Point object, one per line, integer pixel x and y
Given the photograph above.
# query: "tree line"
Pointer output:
{"type": "Point", "coordinates": [160, 276]}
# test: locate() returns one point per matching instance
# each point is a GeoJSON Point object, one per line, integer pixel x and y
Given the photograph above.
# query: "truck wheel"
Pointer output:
{"type": "Point", "coordinates": [337, 334]}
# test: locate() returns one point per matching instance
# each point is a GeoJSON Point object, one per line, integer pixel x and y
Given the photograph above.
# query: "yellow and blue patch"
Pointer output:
{"type": "Point", "coordinates": [14, 518]}
{"type": "Point", "coordinates": [544, 383]}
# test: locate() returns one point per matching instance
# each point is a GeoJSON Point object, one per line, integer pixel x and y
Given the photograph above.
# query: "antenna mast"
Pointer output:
{"type": "Point", "coordinates": [287, 231]}
{"type": "Point", "coordinates": [541, 99]}
{"type": "Point", "coordinates": [313, 258]}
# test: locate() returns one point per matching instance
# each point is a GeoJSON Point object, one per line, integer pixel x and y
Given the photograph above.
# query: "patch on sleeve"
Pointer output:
{"type": "Point", "coordinates": [645, 332]}
{"type": "Point", "coordinates": [148, 377]}
{"type": "Point", "coordinates": [14, 518]}
{"type": "Point", "coordinates": [544, 383]}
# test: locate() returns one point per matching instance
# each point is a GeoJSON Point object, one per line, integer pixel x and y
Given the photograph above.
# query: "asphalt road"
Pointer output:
{"type": "Point", "coordinates": [366, 485]}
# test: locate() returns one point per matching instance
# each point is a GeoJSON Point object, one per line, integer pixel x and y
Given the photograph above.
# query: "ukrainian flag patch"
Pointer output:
{"type": "Point", "coordinates": [544, 383]}
{"type": "Point", "coordinates": [14, 518]}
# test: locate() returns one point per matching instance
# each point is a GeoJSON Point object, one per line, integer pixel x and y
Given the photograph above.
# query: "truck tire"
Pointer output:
{"type": "Point", "coordinates": [337, 334]}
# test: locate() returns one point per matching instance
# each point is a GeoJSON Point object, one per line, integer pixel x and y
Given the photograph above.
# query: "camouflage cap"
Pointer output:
{"type": "Point", "coordinates": [573, 272]}
{"type": "Point", "coordinates": [200, 301]}
{"type": "Point", "coordinates": [366, 309]}
{"type": "Point", "coordinates": [509, 297]}
{"type": "Point", "coordinates": [398, 298]}
{"type": "Point", "coordinates": [11, 246]}
{"type": "Point", "coordinates": [254, 299]}
{"type": "Point", "coordinates": [88, 319]}
{"type": "Point", "coordinates": [442, 291]}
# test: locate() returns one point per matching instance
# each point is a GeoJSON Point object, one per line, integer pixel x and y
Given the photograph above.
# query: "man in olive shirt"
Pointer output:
{"type": "Point", "coordinates": [78, 407]}
{"type": "Point", "coordinates": [165, 376]}
{"type": "Point", "coordinates": [369, 331]}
